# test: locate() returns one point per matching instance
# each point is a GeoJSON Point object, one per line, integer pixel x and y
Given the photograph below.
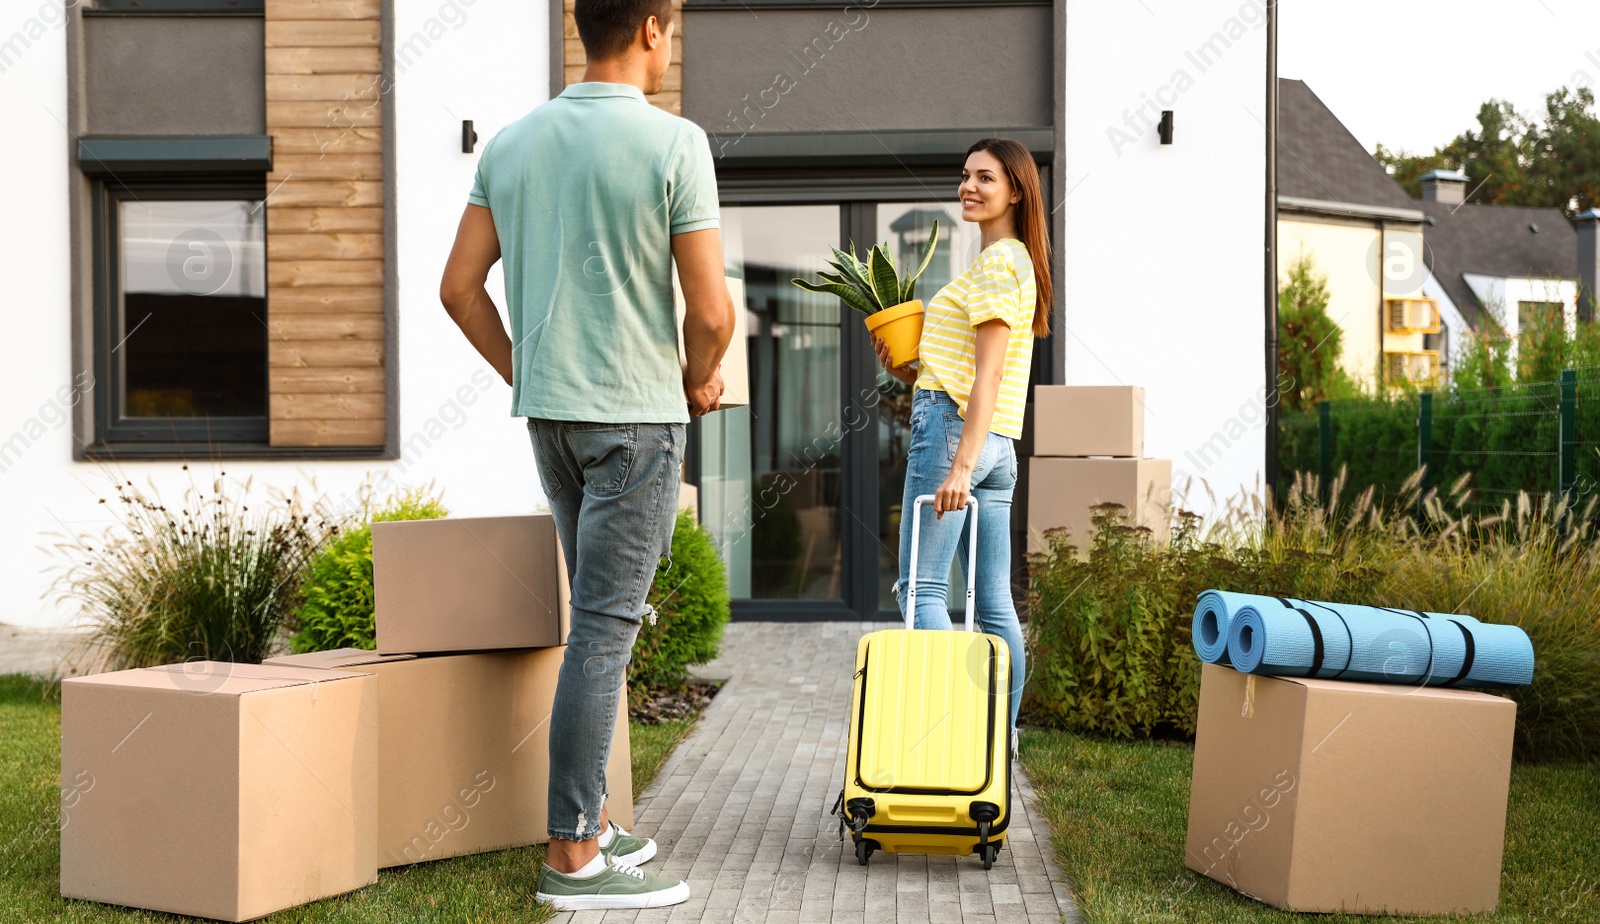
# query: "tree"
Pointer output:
{"type": "Point", "coordinates": [1510, 159]}
{"type": "Point", "coordinates": [1565, 165]}
{"type": "Point", "coordinates": [1309, 342]}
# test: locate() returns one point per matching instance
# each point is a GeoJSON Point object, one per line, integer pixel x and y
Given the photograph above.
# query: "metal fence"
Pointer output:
{"type": "Point", "coordinates": [1538, 437]}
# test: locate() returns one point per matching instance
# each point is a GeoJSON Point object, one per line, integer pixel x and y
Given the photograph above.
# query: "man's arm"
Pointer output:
{"type": "Point", "coordinates": [708, 315]}
{"type": "Point", "coordinates": [461, 290]}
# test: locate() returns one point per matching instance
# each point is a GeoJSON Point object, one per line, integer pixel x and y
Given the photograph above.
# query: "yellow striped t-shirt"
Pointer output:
{"type": "Point", "coordinates": [998, 285]}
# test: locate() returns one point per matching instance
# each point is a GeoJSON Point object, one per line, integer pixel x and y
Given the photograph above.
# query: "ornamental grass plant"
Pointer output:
{"type": "Point", "coordinates": [206, 577]}
{"type": "Point", "coordinates": [1109, 617]}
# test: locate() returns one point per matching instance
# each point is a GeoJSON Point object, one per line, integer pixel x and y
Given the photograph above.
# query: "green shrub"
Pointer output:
{"type": "Point", "coordinates": [690, 596]}
{"type": "Point", "coordinates": [206, 580]}
{"type": "Point", "coordinates": [1109, 643]}
{"type": "Point", "coordinates": [337, 609]}
{"type": "Point", "coordinates": [1109, 629]}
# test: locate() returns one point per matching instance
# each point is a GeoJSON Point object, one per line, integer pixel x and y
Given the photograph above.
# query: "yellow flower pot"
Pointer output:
{"type": "Point", "coordinates": [901, 328]}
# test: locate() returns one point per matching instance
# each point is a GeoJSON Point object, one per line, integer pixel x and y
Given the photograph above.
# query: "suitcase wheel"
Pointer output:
{"type": "Point", "coordinates": [989, 852]}
{"type": "Point", "coordinates": [863, 851]}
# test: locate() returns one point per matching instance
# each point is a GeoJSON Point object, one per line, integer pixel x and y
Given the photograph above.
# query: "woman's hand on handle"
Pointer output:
{"type": "Point", "coordinates": [906, 373]}
{"type": "Point", "coordinates": [953, 493]}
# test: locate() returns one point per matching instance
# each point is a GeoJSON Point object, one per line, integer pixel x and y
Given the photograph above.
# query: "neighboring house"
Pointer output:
{"type": "Point", "coordinates": [1338, 206]}
{"type": "Point", "coordinates": [1409, 279]}
{"type": "Point", "coordinates": [227, 221]}
{"type": "Point", "coordinates": [1491, 265]}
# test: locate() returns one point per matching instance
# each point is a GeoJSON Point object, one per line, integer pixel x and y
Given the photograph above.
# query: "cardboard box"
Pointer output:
{"type": "Point", "coordinates": [468, 584]}
{"type": "Point", "coordinates": [1326, 795]}
{"type": "Point", "coordinates": [1089, 420]}
{"type": "Point", "coordinates": [735, 362]}
{"type": "Point", "coordinates": [224, 791]}
{"type": "Point", "coordinates": [464, 748]}
{"type": "Point", "coordinates": [1061, 492]}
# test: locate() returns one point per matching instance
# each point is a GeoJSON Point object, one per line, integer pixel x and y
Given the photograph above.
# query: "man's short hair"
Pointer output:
{"type": "Point", "coordinates": [607, 27]}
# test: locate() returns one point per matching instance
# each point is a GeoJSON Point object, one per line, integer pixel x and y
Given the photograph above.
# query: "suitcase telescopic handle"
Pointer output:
{"type": "Point", "coordinates": [972, 558]}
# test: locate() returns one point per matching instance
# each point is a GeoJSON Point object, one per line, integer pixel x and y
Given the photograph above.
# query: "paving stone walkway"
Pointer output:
{"type": "Point", "coordinates": [45, 652]}
{"type": "Point", "coordinates": [740, 810]}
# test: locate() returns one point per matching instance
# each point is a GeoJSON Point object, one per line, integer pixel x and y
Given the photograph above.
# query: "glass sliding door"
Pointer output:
{"type": "Point", "coordinates": [771, 474]}
{"type": "Point", "coordinates": [803, 489]}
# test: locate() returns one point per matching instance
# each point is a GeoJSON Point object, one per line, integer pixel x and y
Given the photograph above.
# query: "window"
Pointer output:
{"type": "Point", "coordinates": [1532, 314]}
{"type": "Point", "coordinates": [181, 332]}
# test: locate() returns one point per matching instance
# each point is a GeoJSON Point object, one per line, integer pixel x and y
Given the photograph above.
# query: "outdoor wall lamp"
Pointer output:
{"type": "Point", "coordinates": [1165, 128]}
{"type": "Point", "coordinates": [469, 138]}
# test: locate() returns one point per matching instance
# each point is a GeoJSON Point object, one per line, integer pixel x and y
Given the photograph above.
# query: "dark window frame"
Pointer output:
{"type": "Point", "coordinates": [175, 8]}
{"type": "Point", "coordinates": [170, 436]}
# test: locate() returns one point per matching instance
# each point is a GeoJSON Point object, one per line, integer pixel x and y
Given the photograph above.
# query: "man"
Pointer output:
{"type": "Point", "coordinates": [589, 199]}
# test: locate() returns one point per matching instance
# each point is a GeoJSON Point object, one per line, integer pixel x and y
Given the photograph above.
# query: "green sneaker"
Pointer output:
{"type": "Point", "coordinates": [628, 848]}
{"type": "Point", "coordinates": [617, 886]}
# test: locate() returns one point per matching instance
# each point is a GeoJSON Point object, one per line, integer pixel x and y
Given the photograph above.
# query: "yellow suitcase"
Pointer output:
{"type": "Point", "coordinates": [928, 768]}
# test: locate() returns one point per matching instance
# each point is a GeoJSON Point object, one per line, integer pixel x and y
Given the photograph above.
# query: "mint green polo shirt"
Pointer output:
{"type": "Point", "coordinates": [586, 192]}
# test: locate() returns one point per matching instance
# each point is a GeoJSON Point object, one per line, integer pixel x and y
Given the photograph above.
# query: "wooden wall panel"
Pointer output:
{"type": "Point", "coordinates": [325, 224]}
{"type": "Point", "coordinates": [327, 380]}
{"type": "Point", "coordinates": [573, 59]}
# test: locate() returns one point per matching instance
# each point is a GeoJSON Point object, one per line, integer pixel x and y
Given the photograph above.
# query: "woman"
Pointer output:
{"type": "Point", "coordinates": [971, 383]}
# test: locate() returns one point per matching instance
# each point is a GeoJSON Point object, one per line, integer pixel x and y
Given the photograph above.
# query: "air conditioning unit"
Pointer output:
{"type": "Point", "coordinates": [1412, 315]}
{"type": "Point", "coordinates": [1417, 366]}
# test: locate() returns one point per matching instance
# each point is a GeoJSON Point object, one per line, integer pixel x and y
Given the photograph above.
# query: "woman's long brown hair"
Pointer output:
{"type": "Point", "coordinates": [1032, 228]}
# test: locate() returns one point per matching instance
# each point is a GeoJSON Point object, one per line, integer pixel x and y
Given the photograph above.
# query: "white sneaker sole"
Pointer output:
{"type": "Point", "coordinates": [675, 895]}
{"type": "Point", "coordinates": [638, 856]}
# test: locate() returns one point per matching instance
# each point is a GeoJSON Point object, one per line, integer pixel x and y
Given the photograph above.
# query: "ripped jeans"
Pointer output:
{"type": "Point", "coordinates": [613, 492]}
{"type": "Point", "coordinates": [935, 432]}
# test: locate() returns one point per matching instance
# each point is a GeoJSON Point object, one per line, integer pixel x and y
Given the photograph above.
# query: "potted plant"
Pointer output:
{"type": "Point", "coordinates": [874, 288]}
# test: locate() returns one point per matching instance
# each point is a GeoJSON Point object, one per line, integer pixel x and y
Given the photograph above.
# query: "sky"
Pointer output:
{"type": "Point", "coordinates": [1411, 74]}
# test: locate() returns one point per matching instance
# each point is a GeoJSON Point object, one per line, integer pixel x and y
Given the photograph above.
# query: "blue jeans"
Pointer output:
{"type": "Point", "coordinates": [613, 491]}
{"type": "Point", "coordinates": [935, 432]}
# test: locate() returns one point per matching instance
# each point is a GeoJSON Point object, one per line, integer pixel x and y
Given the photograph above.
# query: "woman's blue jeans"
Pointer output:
{"type": "Point", "coordinates": [935, 432]}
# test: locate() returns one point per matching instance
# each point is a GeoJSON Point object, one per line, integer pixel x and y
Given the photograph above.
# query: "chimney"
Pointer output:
{"type": "Point", "coordinates": [1588, 263]}
{"type": "Point", "coordinates": [1445, 186]}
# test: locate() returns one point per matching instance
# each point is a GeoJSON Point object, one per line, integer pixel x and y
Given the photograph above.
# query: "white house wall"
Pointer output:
{"type": "Point", "coordinates": [1450, 318]}
{"type": "Point", "coordinates": [476, 59]}
{"type": "Point", "coordinates": [38, 482]}
{"type": "Point", "coordinates": [1164, 244]}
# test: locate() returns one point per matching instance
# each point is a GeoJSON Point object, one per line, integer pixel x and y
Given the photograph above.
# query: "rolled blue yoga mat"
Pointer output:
{"type": "Point", "coordinates": [1213, 613]}
{"type": "Point", "coordinates": [1304, 638]}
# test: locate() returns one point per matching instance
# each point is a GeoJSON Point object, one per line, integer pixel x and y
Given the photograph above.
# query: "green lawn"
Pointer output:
{"type": "Point", "coordinates": [494, 888]}
{"type": "Point", "coordinates": [1119, 812]}
{"type": "Point", "coordinates": [650, 746]}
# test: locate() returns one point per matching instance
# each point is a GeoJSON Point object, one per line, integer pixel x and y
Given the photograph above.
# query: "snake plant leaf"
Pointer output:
{"type": "Point", "coordinates": [847, 293]}
{"type": "Point", "coordinates": [856, 272]}
{"type": "Point", "coordinates": [927, 257]}
{"type": "Point", "coordinates": [884, 281]}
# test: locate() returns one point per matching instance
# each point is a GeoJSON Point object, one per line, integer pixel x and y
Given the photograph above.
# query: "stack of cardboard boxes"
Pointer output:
{"type": "Point", "coordinates": [1088, 449]}
{"type": "Point", "coordinates": [230, 791]}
